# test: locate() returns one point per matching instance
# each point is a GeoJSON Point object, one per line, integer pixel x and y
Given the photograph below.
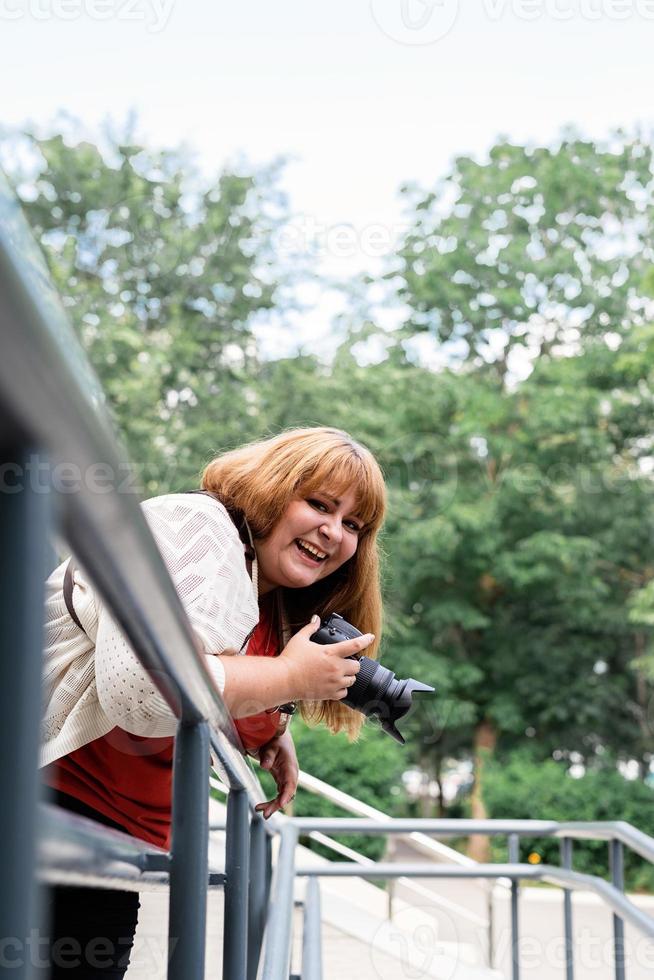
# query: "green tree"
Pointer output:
{"type": "Point", "coordinates": [516, 527]}
{"type": "Point", "coordinates": [530, 251]}
{"type": "Point", "coordinates": [162, 275]}
{"type": "Point", "coordinates": [521, 514]}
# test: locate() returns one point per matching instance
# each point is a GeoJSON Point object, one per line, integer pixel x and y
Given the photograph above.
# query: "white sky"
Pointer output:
{"type": "Point", "coordinates": [361, 95]}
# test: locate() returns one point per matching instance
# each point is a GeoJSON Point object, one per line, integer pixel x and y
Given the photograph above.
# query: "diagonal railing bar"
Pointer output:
{"type": "Point", "coordinates": [48, 387]}
{"type": "Point", "coordinates": [76, 850]}
{"type": "Point", "coordinates": [51, 404]}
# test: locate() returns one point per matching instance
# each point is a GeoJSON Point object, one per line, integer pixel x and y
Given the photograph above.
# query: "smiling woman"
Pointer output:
{"type": "Point", "coordinates": [314, 500]}
{"type": "Point", "coordinates": [283, 532]}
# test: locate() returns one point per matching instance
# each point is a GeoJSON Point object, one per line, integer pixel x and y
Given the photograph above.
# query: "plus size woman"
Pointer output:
{"type": "Point", "coordinates": [283, 531]}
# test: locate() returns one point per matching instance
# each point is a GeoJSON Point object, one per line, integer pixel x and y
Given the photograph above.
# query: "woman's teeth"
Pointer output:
{"type": "Point", "coordinates": [309, 549]}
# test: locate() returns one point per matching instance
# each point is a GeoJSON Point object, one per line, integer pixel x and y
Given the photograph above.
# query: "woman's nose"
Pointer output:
{"type": "Point", "coordinates": [332, 530]}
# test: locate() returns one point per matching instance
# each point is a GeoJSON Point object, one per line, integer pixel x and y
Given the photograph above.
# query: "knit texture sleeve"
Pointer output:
{"type": "Point", "coordinates": [204, 555]}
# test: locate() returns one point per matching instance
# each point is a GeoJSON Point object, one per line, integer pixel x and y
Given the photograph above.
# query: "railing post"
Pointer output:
{"type": "Point", "coordinates": [269, 867]}
{"type": "Point", "coordinates": [189, 854]}
{"type": "Point", "coordinates": [311, 937]}
{"type": "Point", "coordinates": [566, 862]}
{"type": "Point", "coordinates": [237, 854]}
{"type": "Point", "coordinates": [23, 535]}
{"type": "Point", "coordinates": [280, 920]}
{"type": "Point", "coordinates": [258, 893]}
{"type": "Point", "coordinates": [616, 862]}
{"type": "Point", "coordinates": [490, 931]}
{"type": "Point", "coordinates": [514, 858]}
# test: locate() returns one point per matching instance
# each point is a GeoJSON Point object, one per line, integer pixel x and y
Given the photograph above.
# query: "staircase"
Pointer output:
{"type": "Point", "coordinates": [426, 937]}
{"type": "Point", "coordinates": [359, 940]}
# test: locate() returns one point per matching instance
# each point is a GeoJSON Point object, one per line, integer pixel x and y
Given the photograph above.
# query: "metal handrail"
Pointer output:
{"type": "Point", "coordinates": [46, 384]}
{"type": "Point", "coordinates": [618, 834]}
{"type": "Point", "coordinates": [602, 830]}
{"type": "Point", "coordinates": [326, 791]}
{"type": "Point", "coordinates": [361, 809]}
{"type": "Point", "coordinates": [78, 851]}
{"type": "Point", "coordinates": [57, 441]}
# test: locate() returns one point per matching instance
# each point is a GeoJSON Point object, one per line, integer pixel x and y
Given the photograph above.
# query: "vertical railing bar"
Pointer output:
{"type": "Point", "coordinates": [565, 849]}
{"type": "Point", "coordinates": [616, 861]}
{"type": "Point", "coordinates": [280, 917]}
{"type": "Point", "coordinates": [189, 868]}
{"type": "Point", "coordinates": [24, 512]}
{"type": "Point", "coordinates": [258, 896]}
{"type": "Point", "coordinates": [311, 935]}
{"type": "Point", "coordinates": [490, 930]}
{"type": "Point", "coordinates": [269, 867]}
{"type": "Point", "coordinates": [237, 864]}
{"type": "Point", "coordinates": [514, 858]}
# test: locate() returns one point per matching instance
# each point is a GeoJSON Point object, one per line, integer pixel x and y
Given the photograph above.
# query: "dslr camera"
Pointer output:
{"type": "Point", "coordinates": [376, 692]}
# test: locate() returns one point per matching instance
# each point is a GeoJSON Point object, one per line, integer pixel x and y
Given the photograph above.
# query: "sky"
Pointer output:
{"type": "Point", "coordinates": [360, 97]}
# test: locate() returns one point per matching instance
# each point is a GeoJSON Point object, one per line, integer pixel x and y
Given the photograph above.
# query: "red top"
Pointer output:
{"type": "Point", "coordinates": [255, 730]}
{"type": "Point", "coordinates": [128, 778]}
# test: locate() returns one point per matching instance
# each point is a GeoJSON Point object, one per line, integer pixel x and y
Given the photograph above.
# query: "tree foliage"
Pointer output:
{"type": "Point", "coordinates": [531, 251]}
{"type": "Point", "coordinates": [525, 789]}
{"type": "Point", "coordinates": [162, 277]}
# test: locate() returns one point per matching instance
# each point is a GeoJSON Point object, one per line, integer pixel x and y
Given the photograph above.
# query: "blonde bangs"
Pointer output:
{"type": "Point", "coordinates": [341, 469]}
{"type": "Point", "coordinates": [261, 478]}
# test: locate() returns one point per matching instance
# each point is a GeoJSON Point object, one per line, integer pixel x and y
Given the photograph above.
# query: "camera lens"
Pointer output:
{"type": "Point", "coordinates": [376, 692]}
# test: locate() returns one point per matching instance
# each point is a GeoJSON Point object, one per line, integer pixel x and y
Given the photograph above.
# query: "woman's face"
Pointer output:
{"type": "Point", "coordinates": [316, 534]}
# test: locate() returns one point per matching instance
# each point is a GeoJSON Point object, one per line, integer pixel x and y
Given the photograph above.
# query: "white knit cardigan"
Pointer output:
{"type": "Point", "coordinates": [92, 680]}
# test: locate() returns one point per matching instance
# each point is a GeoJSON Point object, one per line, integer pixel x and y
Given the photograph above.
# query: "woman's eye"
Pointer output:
{"type": "Point", "coordinates": [320, 505]}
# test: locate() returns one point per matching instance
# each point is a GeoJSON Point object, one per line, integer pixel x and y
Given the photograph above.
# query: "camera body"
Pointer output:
{"type": "Point", "coordinates": [376, 691]}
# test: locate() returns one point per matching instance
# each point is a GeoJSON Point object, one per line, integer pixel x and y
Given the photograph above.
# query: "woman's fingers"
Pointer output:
{"type": "Point", "coordinates": [272, 806]}
{"type": "Point", "coordinates": [346, 648]}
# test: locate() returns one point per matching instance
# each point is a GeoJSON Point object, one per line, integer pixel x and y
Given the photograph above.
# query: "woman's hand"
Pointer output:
{"type": "Point", "coordinates": [304, 671]}
{"type": "Point", "coordinates": [322, 672]}
{"type": "Point", "coordinates": [278, 757]}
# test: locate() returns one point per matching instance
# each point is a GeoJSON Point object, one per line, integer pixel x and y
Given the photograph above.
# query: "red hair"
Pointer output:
{"type": "Point", "coordinates": [261, 479]}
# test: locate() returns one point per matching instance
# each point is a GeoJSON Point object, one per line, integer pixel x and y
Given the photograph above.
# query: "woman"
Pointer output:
{"type": "Point", "coordinates": [313, 501]}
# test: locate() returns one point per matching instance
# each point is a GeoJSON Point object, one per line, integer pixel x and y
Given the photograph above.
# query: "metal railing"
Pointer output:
{"type": "Point", "coordinates": [431, 848]}
{"type": "Point", "coordinates": [452, 865]}
{"type": "Point", "coordinates": [60, 467]}
{"type": "Point", "coordinates": [617, 834]}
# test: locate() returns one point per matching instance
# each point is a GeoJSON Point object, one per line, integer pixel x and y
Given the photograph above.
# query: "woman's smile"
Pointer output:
{"type": "Point", "coordinates": [310, 551]}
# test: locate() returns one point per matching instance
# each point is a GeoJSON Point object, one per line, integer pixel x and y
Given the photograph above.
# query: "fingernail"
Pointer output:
{"type": "Point", "coordinates": [315, 619]}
